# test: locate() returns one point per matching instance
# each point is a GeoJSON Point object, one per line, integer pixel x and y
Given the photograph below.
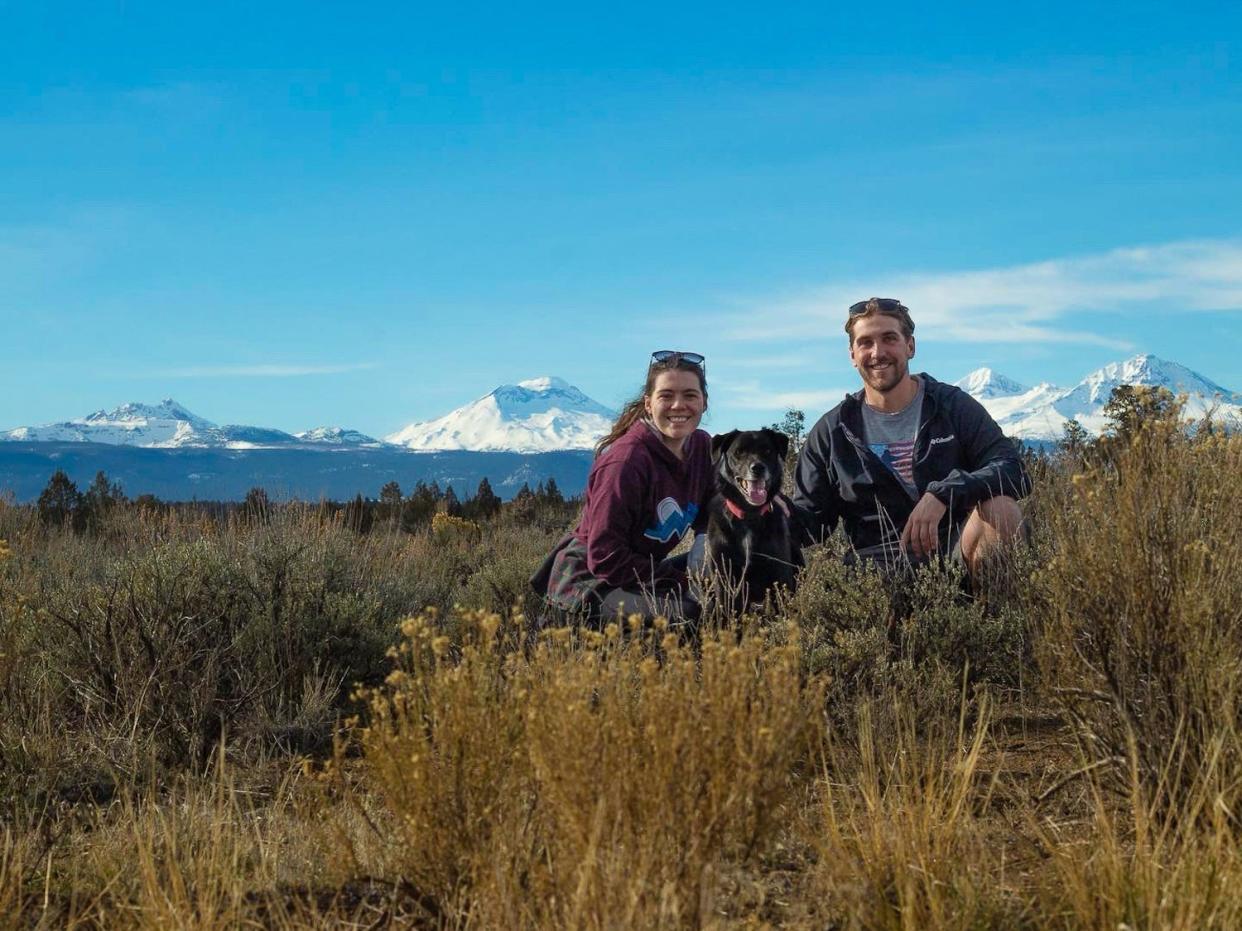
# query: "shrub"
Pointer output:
{"type": "Point", "coordinates": [1141, 603]}
{"type": "Point", "coordinates": [917, 634]}
{"type": "Point", "coordinates": [451, 530]}
{"type": "Point", "coordinates": [600, 782]}
{"type": "Point", "coordinates": [165, 632]}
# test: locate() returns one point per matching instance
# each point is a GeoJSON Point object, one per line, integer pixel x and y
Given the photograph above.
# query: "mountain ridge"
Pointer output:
{"type": "Point", "coordinates": [1040, 413]}
{"type": "Point", "coordinates": [547, 413]}
{"type": "Point", "coordinates": [543, 414]}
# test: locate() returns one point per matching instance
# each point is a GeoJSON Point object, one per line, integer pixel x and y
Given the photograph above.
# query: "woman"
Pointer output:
{"type": "Point", "coordinates": [648, 487]}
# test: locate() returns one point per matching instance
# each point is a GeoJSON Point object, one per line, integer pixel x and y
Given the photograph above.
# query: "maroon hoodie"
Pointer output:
{"type": "Point", "coordinates": [640, 501]}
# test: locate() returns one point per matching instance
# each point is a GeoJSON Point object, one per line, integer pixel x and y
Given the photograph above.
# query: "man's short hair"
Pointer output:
{"type": "Point", "coordinates": [889, 306]}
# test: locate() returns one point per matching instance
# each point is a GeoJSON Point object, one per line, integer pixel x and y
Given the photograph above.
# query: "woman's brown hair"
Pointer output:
{"type": "Point", "coordinates": [636, 408]}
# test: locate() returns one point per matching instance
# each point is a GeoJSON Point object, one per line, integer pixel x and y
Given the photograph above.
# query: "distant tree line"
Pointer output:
{"type": "Point", "coordinates": [62, 505]}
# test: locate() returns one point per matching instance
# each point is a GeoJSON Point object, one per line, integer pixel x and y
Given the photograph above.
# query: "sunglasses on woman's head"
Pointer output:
{"type": "Point", "coordinates": [676, 355]}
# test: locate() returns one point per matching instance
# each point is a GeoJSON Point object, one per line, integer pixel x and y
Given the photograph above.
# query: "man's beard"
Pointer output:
{"type": "Point", "coordinates": [888, 379]}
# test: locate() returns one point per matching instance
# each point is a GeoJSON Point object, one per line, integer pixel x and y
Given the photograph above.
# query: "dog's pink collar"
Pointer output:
{"type": "Point", "coordinates": [739, 514]}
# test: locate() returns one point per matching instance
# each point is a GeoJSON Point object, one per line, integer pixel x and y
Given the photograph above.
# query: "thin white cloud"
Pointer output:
{"type": "Point", "coordinates": [809, 401]}
{"type": "Point", "coordinates": [750, 395]}
{"type": "Point", "coordinates": [262, 371]}
{"type": "Point", "coordinates": [1033, 303]}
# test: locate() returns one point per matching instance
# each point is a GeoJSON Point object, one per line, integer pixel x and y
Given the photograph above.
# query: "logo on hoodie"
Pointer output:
{"type": "Point", "coordinates": [673, 521]}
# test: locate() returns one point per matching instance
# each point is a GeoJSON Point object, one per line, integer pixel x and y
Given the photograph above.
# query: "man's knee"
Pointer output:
{"type": "Point", "coordinates": [1001, 514]}
{"type": "Point", "coordinates": [992, 523]}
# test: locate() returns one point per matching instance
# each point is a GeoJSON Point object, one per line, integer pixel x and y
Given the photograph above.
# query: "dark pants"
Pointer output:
{"type": "Point", "coordinates": [617, 604]}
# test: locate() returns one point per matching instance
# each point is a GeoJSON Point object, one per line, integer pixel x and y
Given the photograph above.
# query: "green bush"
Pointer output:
{"type": "Point", "coordinates": [919, 634]}
{"type": "Point", "coordinates": [163, 635]}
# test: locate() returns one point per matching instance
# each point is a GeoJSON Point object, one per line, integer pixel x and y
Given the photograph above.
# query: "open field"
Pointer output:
{"type": "Point", "coordinates": [274, 721]}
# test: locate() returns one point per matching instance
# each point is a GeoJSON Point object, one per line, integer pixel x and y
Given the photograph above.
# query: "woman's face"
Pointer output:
{"type": "Point", "coordinates": [676, 404]}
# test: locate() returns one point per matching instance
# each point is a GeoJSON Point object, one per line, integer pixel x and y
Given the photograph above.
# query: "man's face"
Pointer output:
{"type": "Point", "coordinates": [880, 352]}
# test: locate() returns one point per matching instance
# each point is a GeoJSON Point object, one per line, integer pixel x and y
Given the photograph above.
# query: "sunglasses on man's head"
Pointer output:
{"type": "Point", "coordinates": [676, 355]}
{"type": "Point", "coordinates": [884, 303]}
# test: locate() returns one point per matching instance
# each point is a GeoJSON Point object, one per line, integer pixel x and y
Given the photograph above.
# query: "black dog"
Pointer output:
{"type": "Point", "coordinates": [749, 533]}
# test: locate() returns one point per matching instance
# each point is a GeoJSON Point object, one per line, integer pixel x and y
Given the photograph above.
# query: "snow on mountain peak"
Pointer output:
{"type": "Point", "coordinates": [1144, 369]}
{"type": "Point", "coordinates": [544, 383]}
{"type": "Point", "coordinates": [167, 425]}
{"type": "Point", "coordinates": [1040, 413]}
{"type": "Point", "coordinates": [537, 415]}
{"type": "Point", "coordinates": [137, 413]}
{"type": "Point", "coordinates": [336, 436]}
{"type": "Point", "coordinates": [985, 383]}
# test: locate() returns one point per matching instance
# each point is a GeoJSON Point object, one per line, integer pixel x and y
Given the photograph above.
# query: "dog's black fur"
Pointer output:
{"type": "Point", "coordinates": [758, 550]}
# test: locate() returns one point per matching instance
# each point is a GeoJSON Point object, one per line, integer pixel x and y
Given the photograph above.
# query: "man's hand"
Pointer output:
{"type": "Point", "coordinates": [920, 535]}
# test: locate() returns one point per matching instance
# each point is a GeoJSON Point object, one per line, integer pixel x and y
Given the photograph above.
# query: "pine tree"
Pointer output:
{"type": "Point", "coordinates": [390, 494]}
{"type": "Point", "coordinates": [99, 500]}
{"type": "Point", "coordinates": [60, 504]}
{"type": "Point", "coordinates": [358, 515]}
{"type": "Point", "coordinates": [551, 494]}
{"type": "Point", "coordinates": [390, 503]}
{"type": "Point", "coordinates": [418, 508]}
{"type": "Point", "coordinates": [793, 425]}
{"type": "Point", "coordinates": [1075, 439]}
{"type": "Point", "coordinates": [486, 502]}
{"type": "Point", "coordinates": [451, 504]}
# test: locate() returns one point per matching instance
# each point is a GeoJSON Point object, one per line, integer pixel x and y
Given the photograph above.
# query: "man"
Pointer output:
{"type": "Point", "coordinates": [913, 467]}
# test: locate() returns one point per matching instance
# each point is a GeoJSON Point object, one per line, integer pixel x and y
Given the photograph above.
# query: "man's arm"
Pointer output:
{"type": "Point", "coordinates": [992, 464]}
{"type": "Point", "coordinates": [816, 500]}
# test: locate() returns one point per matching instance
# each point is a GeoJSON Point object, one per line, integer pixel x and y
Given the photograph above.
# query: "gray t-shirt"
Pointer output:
{"type": "Point", "coordinates": [891, 438]}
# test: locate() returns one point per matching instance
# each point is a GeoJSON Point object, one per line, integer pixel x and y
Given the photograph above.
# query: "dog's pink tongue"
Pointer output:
{"type": "Point", "coordinates": [756, 493]}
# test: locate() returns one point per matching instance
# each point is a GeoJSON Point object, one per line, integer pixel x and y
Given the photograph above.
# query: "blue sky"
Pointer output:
{"type": "Point", "coordinates": [305, 214]}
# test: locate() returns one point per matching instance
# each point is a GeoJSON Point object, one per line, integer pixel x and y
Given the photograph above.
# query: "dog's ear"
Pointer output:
{"type": "Point", "coordinates": [779, 440]}
{"type": "Point", "coordinates": [721, 442]}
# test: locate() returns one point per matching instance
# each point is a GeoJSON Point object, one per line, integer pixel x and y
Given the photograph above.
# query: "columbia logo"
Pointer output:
{"type": "Point", "coordinates": [942, 439]}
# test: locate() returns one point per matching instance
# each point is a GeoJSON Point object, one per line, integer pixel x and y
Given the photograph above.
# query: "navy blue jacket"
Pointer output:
{"type": "Point", "coordinates": [960, 456]}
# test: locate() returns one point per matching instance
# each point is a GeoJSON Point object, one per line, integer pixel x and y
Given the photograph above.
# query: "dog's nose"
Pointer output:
{"type": "Point", "coordinates": [758, 470]}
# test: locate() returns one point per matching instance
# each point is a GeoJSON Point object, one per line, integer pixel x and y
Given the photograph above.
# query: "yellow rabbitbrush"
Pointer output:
{"type": "Point", "coordinates": [586, 779]}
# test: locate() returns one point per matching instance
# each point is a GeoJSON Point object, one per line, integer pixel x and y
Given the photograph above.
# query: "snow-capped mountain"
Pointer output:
{"type": "Point", "coordinates": [1040, 413]}
{"type": "Point", "coordinates": [336, 436]}
{"type": "Point", "coordinates": [538, 415]}
{"type": "Point", "coordinates": [167, 425]}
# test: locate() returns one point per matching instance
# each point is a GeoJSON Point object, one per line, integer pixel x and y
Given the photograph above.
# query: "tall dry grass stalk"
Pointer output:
{"type": "Point", "coordinates": [14, 894]}
{"type": "Point", "coordinates": [599, 782]}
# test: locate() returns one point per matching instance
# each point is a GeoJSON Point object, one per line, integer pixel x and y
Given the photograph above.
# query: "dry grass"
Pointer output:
{"type": "Point", "coordinates": [598, 783]}
{"type": "Point", "coordinates": [902, 844]}
{"type": "Point", "coordinates": [836, 763]}
{"type": "Point", "coordinates": [1140, 605]}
